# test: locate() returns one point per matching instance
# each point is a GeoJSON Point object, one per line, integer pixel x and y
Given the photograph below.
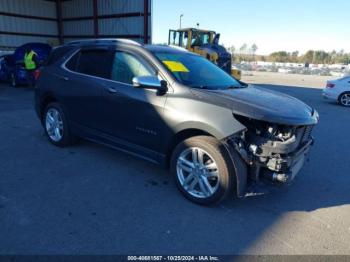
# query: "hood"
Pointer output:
{"type": "Point", "coordinates": [262, 104]}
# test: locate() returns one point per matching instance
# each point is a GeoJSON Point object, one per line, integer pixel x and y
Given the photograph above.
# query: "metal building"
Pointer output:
{"type": "Point", "coordinates": [59, 21]}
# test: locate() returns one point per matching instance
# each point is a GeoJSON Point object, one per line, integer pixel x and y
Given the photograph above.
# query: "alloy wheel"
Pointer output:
{"type": "Point", "coordinates": [54, 124]}
{"type": "Point", "coordinates": [197, 172]}
{"type": "Point", "coordinates": [345, 99]}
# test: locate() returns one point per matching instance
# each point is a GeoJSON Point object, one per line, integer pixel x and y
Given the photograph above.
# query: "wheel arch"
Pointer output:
{"type": "Point", "coordinates": [181, 136]}
{"type": "Point", "coordinates": [45, 101]}
{"type": "Point", "coordinates": [345, 92]}
{"type": "Point", "coordinates": [218, 129]}
{"type": "Point", "coordinates": [238, 165]}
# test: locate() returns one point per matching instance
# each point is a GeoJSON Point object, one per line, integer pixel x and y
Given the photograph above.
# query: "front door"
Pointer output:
{"type": "Point", "coordinates": [133, 114]}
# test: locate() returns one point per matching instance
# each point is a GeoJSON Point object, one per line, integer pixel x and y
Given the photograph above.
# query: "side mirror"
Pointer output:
{"type": "Point", "coordinates": [151, 82]}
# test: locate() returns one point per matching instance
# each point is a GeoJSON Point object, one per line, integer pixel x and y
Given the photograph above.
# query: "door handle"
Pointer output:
{"type": "Point", "coordinates": [112, 90]}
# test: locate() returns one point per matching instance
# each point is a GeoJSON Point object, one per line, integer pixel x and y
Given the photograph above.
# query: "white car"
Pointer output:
{"type": "Point", "coordinates": [338, 90]}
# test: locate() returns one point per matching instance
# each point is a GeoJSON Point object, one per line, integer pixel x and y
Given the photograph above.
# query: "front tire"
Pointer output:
{"type": "Point", "coordinates": [203, 170]}
{"type": "Point", "coordinates": [344, 99]}
{"type": "Point", "coordinates": [56, 125]}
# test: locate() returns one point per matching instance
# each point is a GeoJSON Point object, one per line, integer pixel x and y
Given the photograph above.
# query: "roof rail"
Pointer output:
{"type": "Point", "coordinates": [102, 41]}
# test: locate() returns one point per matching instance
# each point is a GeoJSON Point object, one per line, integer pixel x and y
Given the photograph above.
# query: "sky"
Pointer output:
{"type": "Point", "coordinates": [273, 25]}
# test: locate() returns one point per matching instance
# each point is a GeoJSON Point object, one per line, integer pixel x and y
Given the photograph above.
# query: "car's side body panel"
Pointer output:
{"type": "Point", "coordinates": [184, 111]}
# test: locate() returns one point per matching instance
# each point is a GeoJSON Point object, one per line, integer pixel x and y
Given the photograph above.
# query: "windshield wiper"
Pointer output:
{"type": "Point", "coordinates": [233, 87]}
{"type": "Point", "coordinates": [218, 87]}
{"type": "Point", "coordinates": [243, 85]}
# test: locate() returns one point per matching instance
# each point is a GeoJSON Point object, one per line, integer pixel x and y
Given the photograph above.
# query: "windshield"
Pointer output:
{"type": "Point", "coordinates": [197, 72]}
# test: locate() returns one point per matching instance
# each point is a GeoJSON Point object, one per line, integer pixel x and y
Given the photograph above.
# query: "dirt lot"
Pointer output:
{"type": "Point", "coordinates": [286, 79]}
{"type": "Point", "coordinates": [88, 199]}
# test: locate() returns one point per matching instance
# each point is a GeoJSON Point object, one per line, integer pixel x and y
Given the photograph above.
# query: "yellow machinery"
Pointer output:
{"type": "Point", "coordinates": [206, 44]}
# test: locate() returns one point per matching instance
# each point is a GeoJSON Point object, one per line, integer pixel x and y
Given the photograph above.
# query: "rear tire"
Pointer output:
{"type": "Point", "coordinates": [203, 170]}
{"type": "Point", "coordinates": [56, 126]}
{"type": "Point", "coordinates": [344, 99]}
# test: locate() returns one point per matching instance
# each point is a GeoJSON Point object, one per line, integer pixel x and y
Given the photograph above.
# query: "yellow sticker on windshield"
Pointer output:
{"type": "Point", "coordinates": [176, 66]}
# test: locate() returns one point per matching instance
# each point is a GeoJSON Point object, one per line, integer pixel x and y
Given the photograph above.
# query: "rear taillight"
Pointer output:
{"type": "Point", "coordinates": [330, 85]}
{"type": "Point", "coordinates": [37, 74]}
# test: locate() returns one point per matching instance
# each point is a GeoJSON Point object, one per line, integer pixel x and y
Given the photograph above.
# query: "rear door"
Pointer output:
{"type": "Point", "coordinates": [83, 83]}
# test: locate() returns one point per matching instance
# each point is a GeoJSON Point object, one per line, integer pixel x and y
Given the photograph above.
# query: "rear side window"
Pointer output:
{"type": "Point", "coordinates": [57, 53]}
{"type": "Point", "coordinates": [92, 62]}
{"type": "Point", "coordinates": [73, 62]}
{"type": "Point", "coordinates": [95, 63]}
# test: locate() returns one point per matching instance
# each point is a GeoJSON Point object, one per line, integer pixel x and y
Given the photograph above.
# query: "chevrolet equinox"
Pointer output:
{"type": "Point", "coordinates": [164, 104]}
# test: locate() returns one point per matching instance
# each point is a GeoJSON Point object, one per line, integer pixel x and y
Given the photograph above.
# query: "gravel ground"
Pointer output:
{"type": "Point", "coordinates": [89, 199]}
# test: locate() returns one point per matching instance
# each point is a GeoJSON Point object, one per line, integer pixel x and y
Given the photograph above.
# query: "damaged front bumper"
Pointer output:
{"type": "Point", "coordinates": [269, 162]}
{"type": "Point", "coordinates": [287, 167]}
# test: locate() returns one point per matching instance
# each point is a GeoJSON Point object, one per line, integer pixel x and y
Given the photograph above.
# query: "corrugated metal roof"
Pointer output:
{"type": "Point", "coordinates": [29, 7]}
{"type": "Point", "coordinates": [27, 25]}
{"type": "Point", "coordinates": [84, 27]}
{"type": "Point", "coordinates": [77, 8]}
{"type": "Point", "coordinates": [107, 7]}
{"type": "Point", "coordinates": [70, 9]}
{"type": "Point", "coordinates": [12, 40]}
{"type": "Point", "coordinates": [129, 25]}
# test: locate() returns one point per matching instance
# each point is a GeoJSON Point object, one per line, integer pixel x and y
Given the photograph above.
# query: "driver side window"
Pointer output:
{"type": "Point", "coordinates": [126, 67]}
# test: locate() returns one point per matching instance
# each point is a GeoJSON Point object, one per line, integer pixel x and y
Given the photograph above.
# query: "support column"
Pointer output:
{"type": "Point", "coordinates": [95, 8]}
{"type": "Point", "coordinates": [145, 21]}
{"type": "Point", "coordinates": [59, 21]}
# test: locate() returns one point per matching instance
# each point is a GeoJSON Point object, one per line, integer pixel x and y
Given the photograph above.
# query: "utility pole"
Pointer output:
{"type": "Point", "coordinates": [181, 16]}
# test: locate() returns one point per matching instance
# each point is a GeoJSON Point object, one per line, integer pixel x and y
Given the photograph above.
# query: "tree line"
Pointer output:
{"type": "Point", "coordinates": [248, 53]}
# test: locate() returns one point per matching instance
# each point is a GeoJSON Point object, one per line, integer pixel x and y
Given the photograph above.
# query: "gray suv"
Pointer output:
{"type": "Point", "coordinates": [174, 108]}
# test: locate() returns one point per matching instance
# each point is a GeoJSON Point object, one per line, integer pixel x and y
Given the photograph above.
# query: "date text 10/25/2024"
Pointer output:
{"type": "Point", "coordinates": [173, 258]}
